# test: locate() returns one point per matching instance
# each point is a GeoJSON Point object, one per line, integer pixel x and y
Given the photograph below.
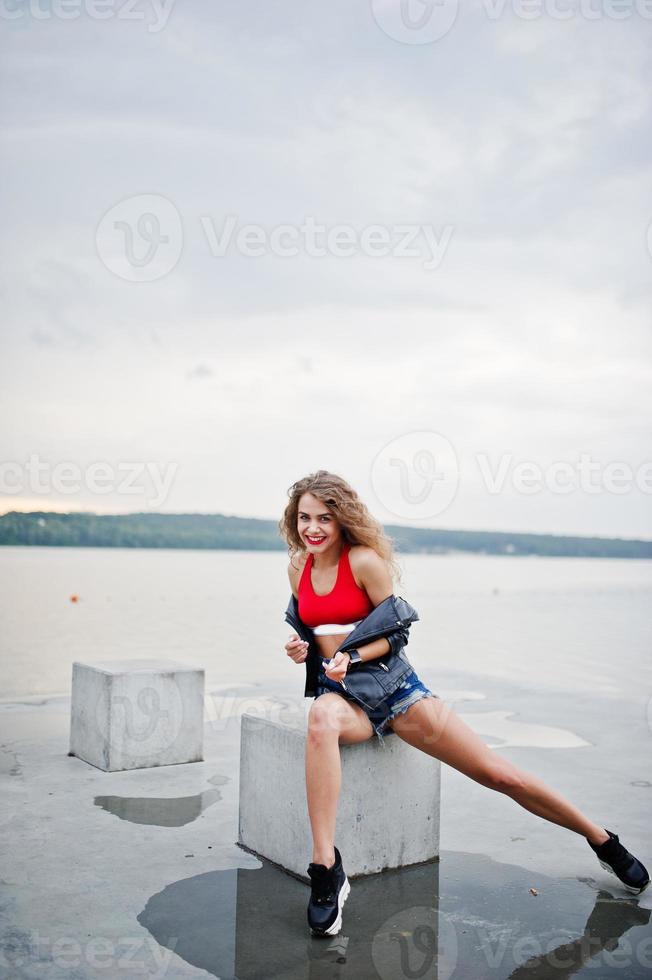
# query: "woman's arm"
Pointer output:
{"type": "Point", "coordinates": [377, 648]}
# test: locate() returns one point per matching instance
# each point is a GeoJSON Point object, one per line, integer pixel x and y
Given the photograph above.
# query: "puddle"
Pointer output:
{"type": "Point", "coordinates": [464, 916]}
{"type": "Point", "coordinates": [162, 811]}
{"type": "Point", "coordinates": [497, 725]}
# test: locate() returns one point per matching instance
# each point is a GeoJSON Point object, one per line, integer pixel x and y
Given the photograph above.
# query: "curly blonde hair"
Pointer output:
{"type": "Point", "coordinates": [358, 525]}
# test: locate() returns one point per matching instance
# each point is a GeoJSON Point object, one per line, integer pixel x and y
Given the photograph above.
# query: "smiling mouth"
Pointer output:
{"type": "Point", "coordinates": [314, 540]}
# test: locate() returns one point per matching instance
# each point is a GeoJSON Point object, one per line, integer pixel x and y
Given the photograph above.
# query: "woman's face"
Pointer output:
{"type": "Point", "coordinates": [318, 527]}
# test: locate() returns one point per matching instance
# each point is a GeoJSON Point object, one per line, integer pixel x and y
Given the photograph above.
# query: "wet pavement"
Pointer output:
{"type": "Point", "coordinates": [138, 874]}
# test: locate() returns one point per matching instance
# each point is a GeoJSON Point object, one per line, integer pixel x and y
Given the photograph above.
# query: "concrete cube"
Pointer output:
{"type": "Point", "coordinates": [130, 714]}
{"type": "Point", "coordinates": [388, 811]}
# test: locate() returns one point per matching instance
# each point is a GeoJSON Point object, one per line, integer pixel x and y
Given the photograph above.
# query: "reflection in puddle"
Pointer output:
{"type": "Point", "coordinates": [609, 920]}
{"type": "Point", "coordinates": [464, 916]}
{"type": "Point", "coordinates": [163, 811]}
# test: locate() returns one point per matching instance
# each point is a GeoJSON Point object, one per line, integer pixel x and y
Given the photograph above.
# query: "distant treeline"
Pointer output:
{"type": "Point", "coordinates": [217, 531]}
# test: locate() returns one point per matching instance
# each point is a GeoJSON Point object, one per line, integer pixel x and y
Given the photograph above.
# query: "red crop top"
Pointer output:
{"type": "Point", "coordinates": [345, 603]}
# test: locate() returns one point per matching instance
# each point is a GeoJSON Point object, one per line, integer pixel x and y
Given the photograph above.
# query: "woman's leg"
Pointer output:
{"type": "Point", "coordinates": [332, 720]}
{"type": "Point", "coordinates": [432, 726]}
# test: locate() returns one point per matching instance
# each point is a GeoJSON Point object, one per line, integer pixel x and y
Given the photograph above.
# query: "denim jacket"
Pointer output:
{"type": "Point", "coordinates": [390, 618]}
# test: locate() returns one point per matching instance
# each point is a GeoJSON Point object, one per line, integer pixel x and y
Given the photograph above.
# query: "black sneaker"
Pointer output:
{"type": "Point", "coordinates": [329, 891]}
{"type": "Point", "coordinates": [615, 858]}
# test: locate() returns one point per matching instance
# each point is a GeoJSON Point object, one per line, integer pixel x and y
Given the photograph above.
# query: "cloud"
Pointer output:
{"type": "Point", "coordinates": [200, 371]}
{"type": "Point", "coordinates": [528, 139]}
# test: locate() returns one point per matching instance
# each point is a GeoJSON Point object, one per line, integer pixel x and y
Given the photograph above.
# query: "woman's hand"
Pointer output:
{"type": "Point", "coordinates": [335, 669]}
{"type": "Point", "coordinates": [297, 649]}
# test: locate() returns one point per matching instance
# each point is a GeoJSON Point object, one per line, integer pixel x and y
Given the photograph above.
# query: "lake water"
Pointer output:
{"type": "Point", "coordinates": [548, 658]}
{"type": "Point", "coordinates": [536, 624]}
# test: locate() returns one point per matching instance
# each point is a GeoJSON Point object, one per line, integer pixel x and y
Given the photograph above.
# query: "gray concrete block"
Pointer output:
{"type": "Point", "coordinates": [388, 811]}
{"type": "Point", "coordinates": [131, 714]}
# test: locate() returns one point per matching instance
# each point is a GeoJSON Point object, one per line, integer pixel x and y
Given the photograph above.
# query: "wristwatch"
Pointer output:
{"type": "Point", "coordinates": [354, 657]}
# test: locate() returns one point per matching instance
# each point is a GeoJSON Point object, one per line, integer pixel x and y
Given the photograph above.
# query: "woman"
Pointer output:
{"type": "Point", "coordinates": [340, 561]}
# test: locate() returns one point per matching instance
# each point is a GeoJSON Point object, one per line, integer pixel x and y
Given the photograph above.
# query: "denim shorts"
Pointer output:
{"type": "Point", "coordinates": [409, 691]}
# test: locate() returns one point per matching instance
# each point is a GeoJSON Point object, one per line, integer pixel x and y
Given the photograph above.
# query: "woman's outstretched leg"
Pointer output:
{"type": "Point", "coordinates": [432, 726]}
{"type": "Point", "coordinates": [332, 720]}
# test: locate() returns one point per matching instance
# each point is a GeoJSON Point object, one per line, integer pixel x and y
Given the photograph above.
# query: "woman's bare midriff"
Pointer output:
{"type": "Point", "coordinates": [327, 645]}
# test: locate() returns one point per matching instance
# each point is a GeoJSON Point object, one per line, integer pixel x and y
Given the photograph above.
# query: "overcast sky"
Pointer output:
{"type": "Point", "coordinates": [471, 349]}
